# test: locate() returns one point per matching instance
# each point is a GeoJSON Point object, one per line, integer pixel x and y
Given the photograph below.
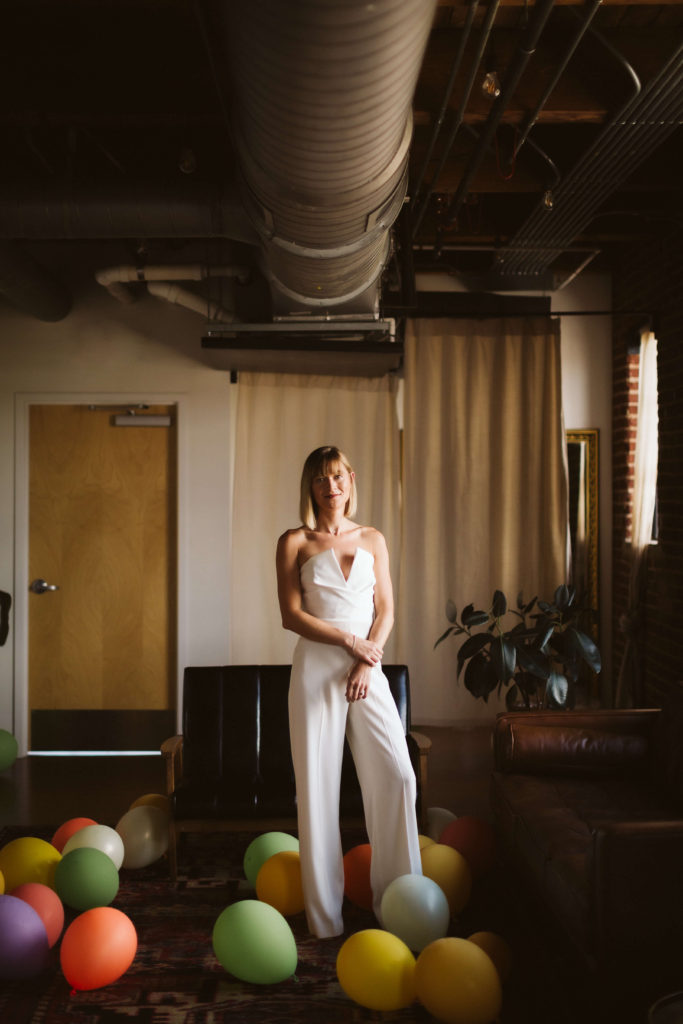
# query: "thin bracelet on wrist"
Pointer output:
{"type": "Point", "coordinates": [353, 642]}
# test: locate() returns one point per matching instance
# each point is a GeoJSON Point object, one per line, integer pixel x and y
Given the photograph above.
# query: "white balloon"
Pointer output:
{"type": "Point", "coordinates": [415, 909]}
{"type": "Point", "coordinates": [144, 831]}
{"type": "Point", "coordinates": [97, 837]}
{"type": "Point", "coordinates": [437, 819]}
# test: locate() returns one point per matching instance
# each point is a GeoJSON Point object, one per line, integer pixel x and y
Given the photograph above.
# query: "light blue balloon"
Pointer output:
{"type": "Point", "coordinates": [415, 909]}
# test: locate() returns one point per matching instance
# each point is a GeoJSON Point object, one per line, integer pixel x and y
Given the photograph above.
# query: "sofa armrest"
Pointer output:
{"type": "Point", "coordinates": [638, 884]}
{"type": "Point", "coordinates": [172, 751]}
{"type": "Point", "coordinates": [550, 742]}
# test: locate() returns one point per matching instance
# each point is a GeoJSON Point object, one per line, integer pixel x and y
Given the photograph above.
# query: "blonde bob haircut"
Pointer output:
{"type": "Point", "coordinates": [319, 463]}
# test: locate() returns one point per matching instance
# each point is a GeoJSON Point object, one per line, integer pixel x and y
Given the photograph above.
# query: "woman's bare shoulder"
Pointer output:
{"type": "Point", "coordinates": [292, 539]}
{"type": "Point", "coordinates": [372, 539]}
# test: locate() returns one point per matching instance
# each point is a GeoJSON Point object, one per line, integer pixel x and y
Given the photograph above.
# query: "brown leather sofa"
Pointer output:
{"type": "Point", "coordinates": [588, 806]}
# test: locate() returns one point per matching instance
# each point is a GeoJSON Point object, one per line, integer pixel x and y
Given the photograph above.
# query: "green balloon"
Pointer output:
{"type": "Point", "coordinates": [263, 847]}
{"type": "Point", "coordinates": [8, 749]}
{"type": "Point", "coordinates": [253, 941]}
{"type": "Point", "coordinates": [86, 878]}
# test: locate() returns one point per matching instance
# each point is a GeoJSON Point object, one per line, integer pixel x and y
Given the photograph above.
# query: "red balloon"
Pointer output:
{"type": "Point", "coordinates": [475, 839]}
{"type": "Point", "coordinates": [357, 886]}
{"type": "Point", "coordinates": [46, 904]}
{"type": "Point", "coordinates": [98, 947]}
{"type": "Point", "coordinates": [69, 828]}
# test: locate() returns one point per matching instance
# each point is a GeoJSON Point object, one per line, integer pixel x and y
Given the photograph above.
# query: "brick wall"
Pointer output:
{"type": "Point", "coordinates": [651, 278]}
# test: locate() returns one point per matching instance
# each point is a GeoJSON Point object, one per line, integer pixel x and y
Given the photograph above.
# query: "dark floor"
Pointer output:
{"type": "Point", "coordinates": [46, 790]}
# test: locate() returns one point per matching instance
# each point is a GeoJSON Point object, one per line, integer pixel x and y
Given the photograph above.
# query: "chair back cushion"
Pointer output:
{"type": "Point", "coordinates": [237, 759]}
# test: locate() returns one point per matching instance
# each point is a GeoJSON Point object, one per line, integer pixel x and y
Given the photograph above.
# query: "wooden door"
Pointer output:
{"type": "Point", "coordinates": [102, 529]}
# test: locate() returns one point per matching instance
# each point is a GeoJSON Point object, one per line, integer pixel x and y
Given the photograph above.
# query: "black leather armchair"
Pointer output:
{"type": "Point", "coordinates": [231, 769]}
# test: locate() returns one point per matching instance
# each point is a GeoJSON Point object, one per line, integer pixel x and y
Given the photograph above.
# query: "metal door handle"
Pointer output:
{"type": "Point", "coordinates": [39, 586]}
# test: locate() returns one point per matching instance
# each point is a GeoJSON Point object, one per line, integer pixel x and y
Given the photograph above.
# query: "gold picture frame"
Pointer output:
{"type": "Point", "coordinates": [583, 478]}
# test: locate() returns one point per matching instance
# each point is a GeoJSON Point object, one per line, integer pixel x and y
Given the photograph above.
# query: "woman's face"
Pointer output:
{"type": "Point", "coordinates": [331, 489]}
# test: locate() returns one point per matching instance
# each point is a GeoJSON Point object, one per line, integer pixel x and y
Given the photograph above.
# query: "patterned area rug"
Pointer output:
{"type": "Point", "coordinates": [175, 977]}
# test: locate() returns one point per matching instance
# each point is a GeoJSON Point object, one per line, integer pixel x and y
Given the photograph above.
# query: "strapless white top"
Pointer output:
{"type": "Point", "coordinates": [340, 600]}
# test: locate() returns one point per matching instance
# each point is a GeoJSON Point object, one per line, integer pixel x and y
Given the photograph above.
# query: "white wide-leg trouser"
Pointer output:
{"type": "Point", "coordinates": [319, 717]}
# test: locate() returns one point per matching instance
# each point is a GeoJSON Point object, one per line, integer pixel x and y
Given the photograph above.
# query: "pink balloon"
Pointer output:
{"type": "Point", "coordinates": [65, 831]}
{"type": "Point", "coordinates": [46, 904]}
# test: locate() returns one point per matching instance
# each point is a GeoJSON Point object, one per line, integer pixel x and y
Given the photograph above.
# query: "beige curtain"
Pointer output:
{"type": "Point", "coordinates": [485, 497]}
{"type": "Point", "coordinates": [280, 419]}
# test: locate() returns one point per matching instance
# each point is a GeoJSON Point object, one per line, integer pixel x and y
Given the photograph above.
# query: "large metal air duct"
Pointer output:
{"type": "Point", "coordinates": [321, 95]}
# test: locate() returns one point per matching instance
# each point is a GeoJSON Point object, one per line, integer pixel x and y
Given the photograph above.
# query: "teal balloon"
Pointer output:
{"type": "Point", "coordinates": [415, 909]}
{"type": "Point", "coordinates": [86, 878]}
{"type": "Point", "coordinates": [263, 847]}
{"type": "Point", "coordinates": [8, 749]}
{"type": "Point", "coordinates": [253, 942]}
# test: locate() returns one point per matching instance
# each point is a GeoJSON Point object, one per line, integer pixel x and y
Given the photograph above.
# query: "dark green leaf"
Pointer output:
{"type": "Point", "coordinates": [499, 605]}
{"type": "Point", "coordinates": [586, 648]}
{"type": "Point", "coordinates": [527, 607]}
{"type": "Point", "coordinates": [545, 607]}
{"type": "Point", "coordinates": [470, 617]}
{"type": "Point", "coordinates": [479, 678]}
{"type": "Point", "coordinates": [472, 646]}
{"type": "Point", "coordinates": [556, 690]}
{"type": "Point", "coordinates": [503, 658]}
{"type": "Point", "coordinates": [533, 661]}
{"type": "Point", "coordinates": [451, 611]}
{"type": "Point", "coordinates": [561, 598]}
{"type": "Point", "coordinates": [444, 635]}
{"type": "Point", "coordinates": [543, 635]}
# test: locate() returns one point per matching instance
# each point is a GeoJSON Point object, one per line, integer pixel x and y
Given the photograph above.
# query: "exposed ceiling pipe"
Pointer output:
{"type": "Point", "coordinates": [462, 106]}
{"type": "Point", "coordinates": [418, 212]}
{"type": "Point", "coordinates": [29, 287]}
{"type": "Point", "coordinates": [322, 97]}
{"type": "Point", "coordinates": [190, 211]}
{"type": "Point", "coordinates": [117, 280]}
{"type": "Point", "coordinates": [630, 137]}
{"type": "Point", "coordinates": [584, 24]}
{"type": "Point", "coordinates": [182, 297]}
{"type": "Point", "coordinates": [525, 50]}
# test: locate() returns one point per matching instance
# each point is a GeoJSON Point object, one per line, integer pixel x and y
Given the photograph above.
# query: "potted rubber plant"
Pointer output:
{"type": "Point", "coordinates": [539, 658]}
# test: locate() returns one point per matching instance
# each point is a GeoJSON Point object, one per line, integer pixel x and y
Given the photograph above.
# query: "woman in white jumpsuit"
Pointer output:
{"type": "Point", "coordinates": [335, 591]}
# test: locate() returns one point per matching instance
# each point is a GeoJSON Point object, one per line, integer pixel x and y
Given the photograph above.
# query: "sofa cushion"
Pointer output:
{"type": "Point", "coordinates": [552, 748]}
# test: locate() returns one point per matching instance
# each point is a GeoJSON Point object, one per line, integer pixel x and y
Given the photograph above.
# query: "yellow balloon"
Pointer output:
{"type": "Point", "coordinates": [28, 859]}
{"type": "Point", "coordinates": [450, 871]}
{"type": "Point", "coordinates": [377, 970]}
{"type": "Point", "coordinates": [425, 841]}
{"type": "Point", "coordinates": [498, 949]}
{"type": "Point", "coordinates": [457, 982]}
{"type": "Point", "coordinates": [152, 800]}
{"type": "Point", "coordinates": [279, 882]}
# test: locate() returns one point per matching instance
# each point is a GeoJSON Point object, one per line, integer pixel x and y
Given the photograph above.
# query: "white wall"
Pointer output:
{"type": "Point", "coordinates": [150, 349]}
{"type": "Point", "coordinates": [141, 351]}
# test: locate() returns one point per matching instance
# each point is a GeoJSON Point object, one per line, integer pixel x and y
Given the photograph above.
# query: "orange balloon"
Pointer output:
{"type": "Point", "coordinates": [279, 882]}
{"type": "Point", "coordinates": [475, 839]}
{"type": "Point", "coordinates": [98, 947]}
{"type": "Point", "coordinates": [67, 830]}
{"type": "Point", "coordinates": [357, 886]}
{"type": "Point", "coordinates": [152, 800]}
{"type": "Point", "coordinates": [46, 904]}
